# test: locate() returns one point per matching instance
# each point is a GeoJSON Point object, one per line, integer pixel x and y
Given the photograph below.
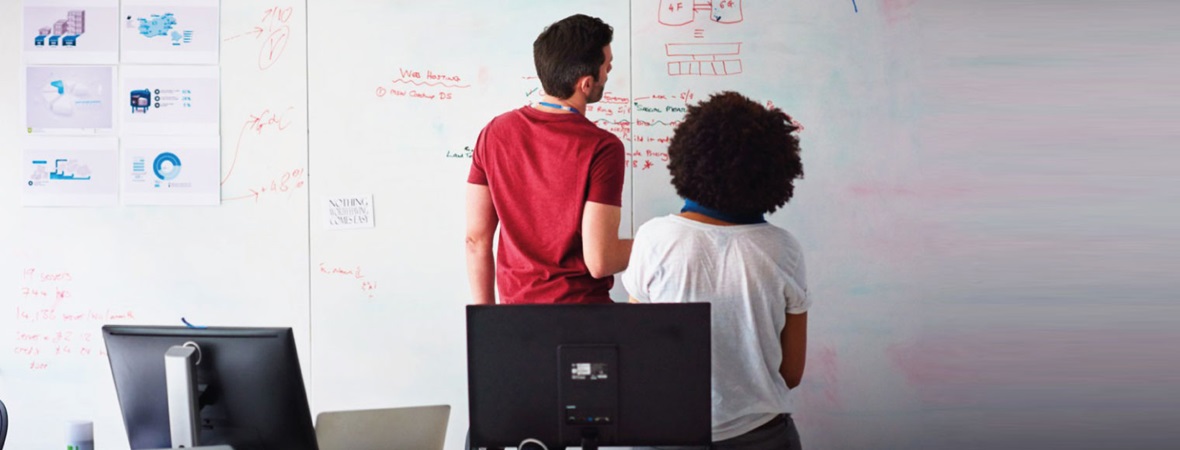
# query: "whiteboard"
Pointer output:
{"type": "Point", "coordinates": [915, 225]}
{"type": "Point", "coordinates": [396, 109]}
{"type": "Point", "coordinates": [65, 272]}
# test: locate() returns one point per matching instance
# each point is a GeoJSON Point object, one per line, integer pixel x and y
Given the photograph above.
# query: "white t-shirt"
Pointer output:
{"type": "Point", "coordinates": [753, 275]}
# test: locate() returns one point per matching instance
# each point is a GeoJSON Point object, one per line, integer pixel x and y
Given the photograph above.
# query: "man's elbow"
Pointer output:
{"type": "Point", "coordinates": [604, 262]}
{"type": "Point", "coordinates": [597, 269]}
{"type": "Point", "coordinates": [602, 265]}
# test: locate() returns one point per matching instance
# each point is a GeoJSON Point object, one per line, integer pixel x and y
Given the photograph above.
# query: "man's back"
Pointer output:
{"type": "Point", "coordinates": [540, 169]}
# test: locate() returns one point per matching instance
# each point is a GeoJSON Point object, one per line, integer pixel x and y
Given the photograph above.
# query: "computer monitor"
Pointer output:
{"type": "Point", "coordinates": [589, 375]}
{"type": "Point", "coordinates": [250, 391]}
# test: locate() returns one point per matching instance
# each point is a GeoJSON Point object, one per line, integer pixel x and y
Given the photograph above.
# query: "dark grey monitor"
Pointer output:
{"type": "Point", "coordinates": [589, 375]}
{"type": "Point", "coordinates": [250, 388]}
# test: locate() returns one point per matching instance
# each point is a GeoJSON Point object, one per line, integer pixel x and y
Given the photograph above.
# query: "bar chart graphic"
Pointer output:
{"type": "Point", "coordinates": [64, 32]}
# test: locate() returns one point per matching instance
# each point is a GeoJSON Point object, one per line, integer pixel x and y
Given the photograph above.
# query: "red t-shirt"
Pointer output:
{"type": "Point", "coordinates": [541, 168]}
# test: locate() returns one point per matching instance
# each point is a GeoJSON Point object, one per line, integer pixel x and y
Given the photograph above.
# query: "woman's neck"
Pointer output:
{"type": "Point", "coordinates": [698, 217]}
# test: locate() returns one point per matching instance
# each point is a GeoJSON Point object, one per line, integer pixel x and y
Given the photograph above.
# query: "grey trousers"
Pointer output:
{"type": "Point", "coordinates": [779, 434]}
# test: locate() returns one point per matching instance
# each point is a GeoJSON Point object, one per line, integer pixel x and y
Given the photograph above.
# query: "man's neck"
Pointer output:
{"type": "Point", "coordinates": [572, 102]}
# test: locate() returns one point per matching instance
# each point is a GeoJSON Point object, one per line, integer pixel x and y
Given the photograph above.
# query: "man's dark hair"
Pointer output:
{"type": "Point", "coordinates": [736, 156]}
{"type": "Point", "coordinates": [569, 49]}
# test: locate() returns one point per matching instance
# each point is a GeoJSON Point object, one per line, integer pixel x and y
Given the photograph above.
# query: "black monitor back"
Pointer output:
{"type": "Point", "coordinates": [518, 376]}
{"type": "Point", "coordinates": [253, 399]}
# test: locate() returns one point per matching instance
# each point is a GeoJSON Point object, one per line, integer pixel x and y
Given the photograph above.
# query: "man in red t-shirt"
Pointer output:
{"type": "Point", "coordinates": [552, 181]}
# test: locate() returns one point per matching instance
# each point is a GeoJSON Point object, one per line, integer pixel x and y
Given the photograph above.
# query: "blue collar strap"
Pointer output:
{"type": "Point", "coordinates": [740, 219]}
{"type": "Point", "coordinates": [556, 106]}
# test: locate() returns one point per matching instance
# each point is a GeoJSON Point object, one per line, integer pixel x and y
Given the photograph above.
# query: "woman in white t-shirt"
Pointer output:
{"type": "Point", "coordinates": [734, 160]}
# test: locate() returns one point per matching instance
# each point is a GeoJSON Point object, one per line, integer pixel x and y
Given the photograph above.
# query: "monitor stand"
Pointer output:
{"type": "Point", "coordinates": [180, 379]}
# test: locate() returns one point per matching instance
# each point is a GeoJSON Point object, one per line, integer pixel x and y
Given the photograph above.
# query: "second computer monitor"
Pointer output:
{"type": "Point", "coordinates": [251, 395]}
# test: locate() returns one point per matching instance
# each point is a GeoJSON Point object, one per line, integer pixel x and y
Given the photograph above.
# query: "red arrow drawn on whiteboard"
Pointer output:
{"type": "Point", "coordinates": [256, 32]}
{"type": "Point", "coordinates": [237, 149]}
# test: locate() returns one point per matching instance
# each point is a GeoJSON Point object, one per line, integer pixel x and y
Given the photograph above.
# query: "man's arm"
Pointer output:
{"type": "Point", "coordinates": [604, 252]}
{"type": "Point", "coordinates": [481, 229]}
{"type": "Point", "coordinates": [794, 341]}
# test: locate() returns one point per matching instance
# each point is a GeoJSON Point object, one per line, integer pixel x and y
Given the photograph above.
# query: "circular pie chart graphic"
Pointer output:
{"type": "Point", "coordinates": [166, 166]}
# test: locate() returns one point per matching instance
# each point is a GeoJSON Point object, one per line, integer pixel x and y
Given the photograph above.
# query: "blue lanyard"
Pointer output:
{"type": "Point", "coordinates": [556, 106]}
{"type": "Point", "coordinates": [740, 219]}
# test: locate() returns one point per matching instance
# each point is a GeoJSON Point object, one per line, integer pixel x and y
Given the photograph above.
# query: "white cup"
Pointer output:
{"type": "Point", "coordinates": [79, 435]}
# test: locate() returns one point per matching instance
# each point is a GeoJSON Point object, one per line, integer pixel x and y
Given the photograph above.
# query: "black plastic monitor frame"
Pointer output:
{"type": "Point", "coordinates": [589, 375]}
{"type": "Point", "coordinates": [250, 386]}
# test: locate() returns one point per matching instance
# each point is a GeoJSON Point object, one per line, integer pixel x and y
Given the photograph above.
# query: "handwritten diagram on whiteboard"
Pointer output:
{"type": "Point", "coordinates": [704, 59]}
{"type": "Point", "coordinates": [700, 56]}
{"type": "Point", "coordinates": [683, 12]}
